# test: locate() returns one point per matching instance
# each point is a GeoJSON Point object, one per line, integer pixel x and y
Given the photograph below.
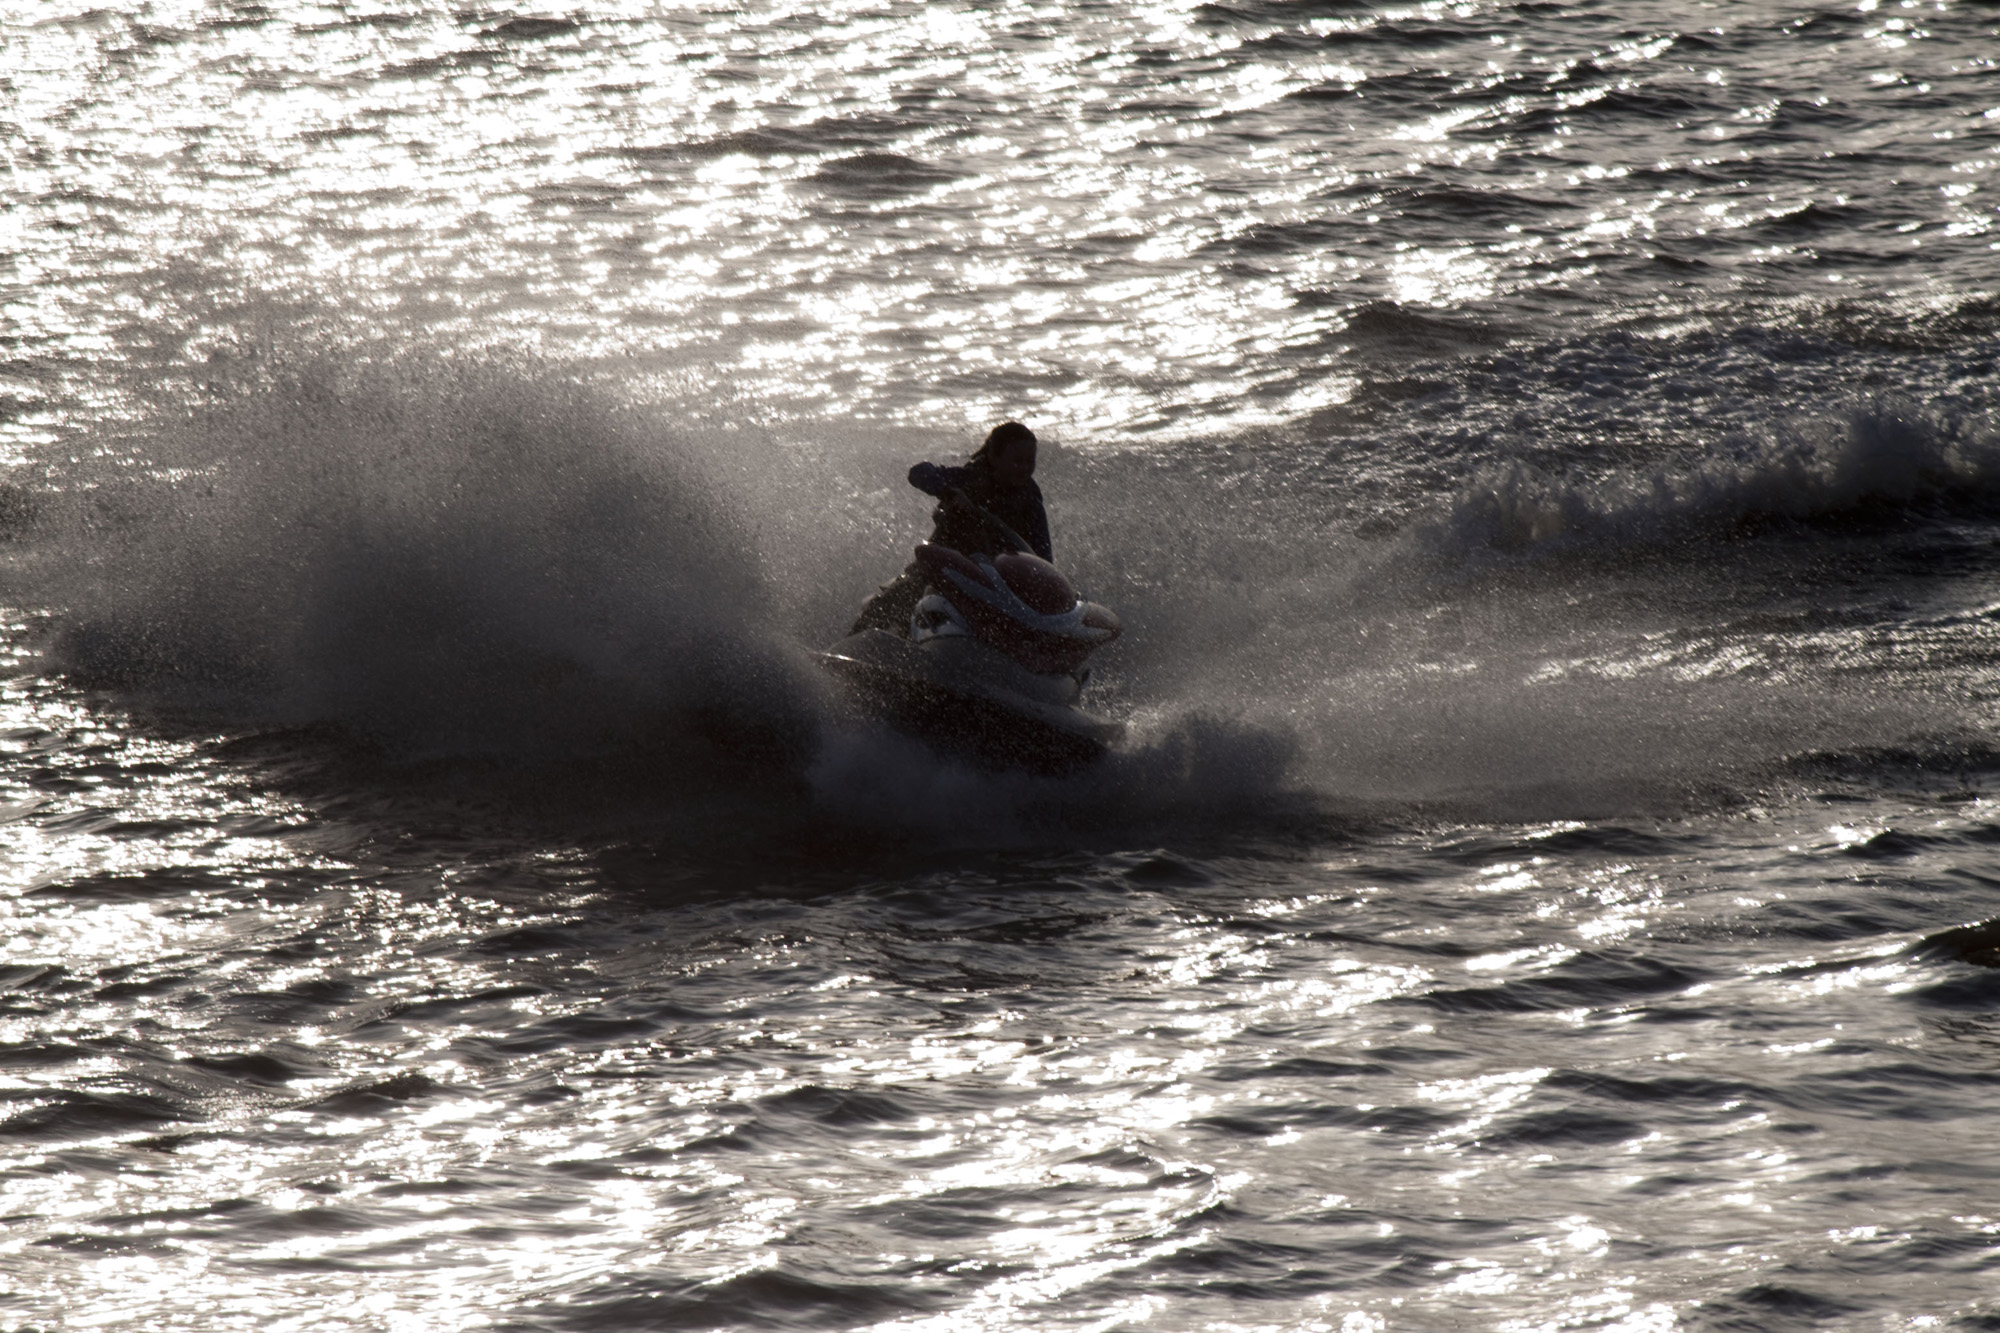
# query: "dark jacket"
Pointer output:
{"type": "Point", "coordinates": [1020, 509]}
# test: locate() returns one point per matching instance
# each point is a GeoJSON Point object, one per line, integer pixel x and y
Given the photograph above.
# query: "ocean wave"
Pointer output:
{"type": "Point", "coordinates": [881, 175]}
{"type": "Point", "coordinates": [1881, 458]}
{"type": "Point", "coordinates": [855, 134]}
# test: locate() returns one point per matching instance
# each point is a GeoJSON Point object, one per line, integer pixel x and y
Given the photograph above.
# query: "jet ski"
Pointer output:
{"type": "Point", "coordinates": [993, 663]}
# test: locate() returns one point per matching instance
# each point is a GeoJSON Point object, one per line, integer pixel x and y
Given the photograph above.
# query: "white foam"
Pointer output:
{"type": "Point", "coordinates": [1875, 455]}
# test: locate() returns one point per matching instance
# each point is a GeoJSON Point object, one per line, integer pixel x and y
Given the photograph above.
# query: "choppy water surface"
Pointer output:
{"type": "Point", "coordinates": [1544, 455]}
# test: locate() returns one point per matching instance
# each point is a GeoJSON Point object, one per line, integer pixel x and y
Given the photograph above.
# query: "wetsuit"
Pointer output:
{"type": "Point", "coordinates": [1019, 508]}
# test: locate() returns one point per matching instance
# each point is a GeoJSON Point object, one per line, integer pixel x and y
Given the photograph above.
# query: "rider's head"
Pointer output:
{"type": "Point", "coordinates": [1010, 452]}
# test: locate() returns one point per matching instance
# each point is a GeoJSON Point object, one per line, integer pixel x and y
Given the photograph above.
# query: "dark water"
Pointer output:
{"type": "Point", "coordinates": [1544, 455]}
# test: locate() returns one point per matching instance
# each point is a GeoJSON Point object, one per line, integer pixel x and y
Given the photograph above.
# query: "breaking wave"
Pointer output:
{"type": "Point", "coordinates": [1880, 459]}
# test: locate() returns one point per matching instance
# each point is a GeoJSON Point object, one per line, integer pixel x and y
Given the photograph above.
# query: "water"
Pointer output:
{"type": "Point", "coordinates": [1545, 458]}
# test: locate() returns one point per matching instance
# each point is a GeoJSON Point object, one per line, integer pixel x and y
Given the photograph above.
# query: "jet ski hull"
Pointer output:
{"type": "Point", "coordinates": [960, 696]}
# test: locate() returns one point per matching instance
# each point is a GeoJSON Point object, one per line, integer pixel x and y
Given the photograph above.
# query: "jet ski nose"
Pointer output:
{"type": "Point", "coordinates": [1036, 582]}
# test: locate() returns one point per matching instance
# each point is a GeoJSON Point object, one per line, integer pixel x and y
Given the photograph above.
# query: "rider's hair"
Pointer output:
{"type": "Point", "coordinates": [1005, 434]}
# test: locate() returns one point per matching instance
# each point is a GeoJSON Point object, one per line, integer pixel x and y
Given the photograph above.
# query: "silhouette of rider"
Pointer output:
{"type": "Point", "coordinates": [1000, 480]}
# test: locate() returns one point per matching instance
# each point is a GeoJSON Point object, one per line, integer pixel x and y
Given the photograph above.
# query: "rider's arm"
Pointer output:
{"type": "Point", "coordinates": [947, 484]}
{"type": "Point", "coordinates": [934, 480]}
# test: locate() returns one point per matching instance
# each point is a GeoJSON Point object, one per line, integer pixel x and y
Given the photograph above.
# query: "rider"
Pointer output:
{"type": "Point", "coordinates": [1000, 480]}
